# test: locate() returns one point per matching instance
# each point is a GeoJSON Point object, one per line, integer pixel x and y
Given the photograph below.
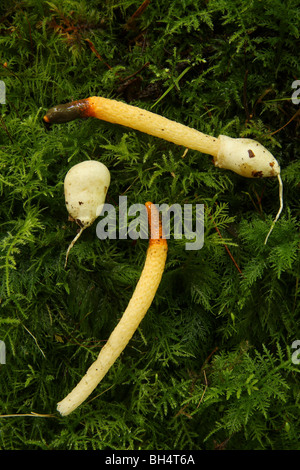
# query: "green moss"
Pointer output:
{"type": "Point", "coordinates": [211, 362]}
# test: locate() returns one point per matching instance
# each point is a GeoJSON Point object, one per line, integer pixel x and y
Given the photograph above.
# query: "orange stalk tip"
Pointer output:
{"type": "Point", "coordinates": [148, 206]}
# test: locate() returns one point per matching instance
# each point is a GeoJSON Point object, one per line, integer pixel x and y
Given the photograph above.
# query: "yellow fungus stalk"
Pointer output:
{"type": "Point", "coordinates": [136, 310]}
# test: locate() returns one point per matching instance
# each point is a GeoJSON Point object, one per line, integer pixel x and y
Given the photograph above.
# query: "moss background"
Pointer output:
{"type": "Point", "coordinates": [211, 365]}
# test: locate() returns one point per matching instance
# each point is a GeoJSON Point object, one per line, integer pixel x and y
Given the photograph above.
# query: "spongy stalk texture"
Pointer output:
{"type": "Point", "coordinates": [142, 120]}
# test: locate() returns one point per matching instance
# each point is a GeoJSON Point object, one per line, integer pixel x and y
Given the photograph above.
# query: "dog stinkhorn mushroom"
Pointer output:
{"type": "Point", "coordinates": [85, 188]}
{"type": "Point", "coordinates": [243, 156]}
{"type": "Point", "coordinates": [137, 308]}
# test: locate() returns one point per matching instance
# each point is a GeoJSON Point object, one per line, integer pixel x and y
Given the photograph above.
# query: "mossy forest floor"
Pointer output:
{"type": "Point", "coordinates": [214, 364]}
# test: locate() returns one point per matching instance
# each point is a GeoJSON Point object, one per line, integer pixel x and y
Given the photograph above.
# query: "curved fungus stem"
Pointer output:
{"type": "Point", "coordinates": [137, 308]}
